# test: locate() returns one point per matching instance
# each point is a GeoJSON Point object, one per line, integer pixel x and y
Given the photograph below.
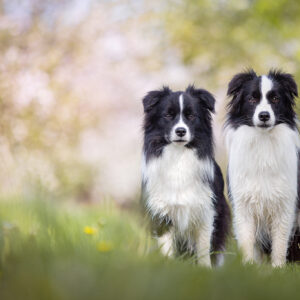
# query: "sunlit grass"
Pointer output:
{"type": "Point", "coordinates": [51, 251]}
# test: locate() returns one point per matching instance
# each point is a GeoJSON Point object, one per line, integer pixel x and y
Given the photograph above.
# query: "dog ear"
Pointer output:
{"type": "Point", "coordinates": [287, 81]}
{"type": "Point", "coordinates": [235, 87]}
{"type": "Point", "coordinates": [153, 97]}
{"type": "Point", "coordinates": [237, 82]}
{"type": "Point", "coordinates": [204, 96]}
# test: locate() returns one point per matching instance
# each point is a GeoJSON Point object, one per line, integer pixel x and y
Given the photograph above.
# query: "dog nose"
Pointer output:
{"type": "Point", "coordinates": [264, 116]}
{"type": "Point", "coordinates": [180, 131]}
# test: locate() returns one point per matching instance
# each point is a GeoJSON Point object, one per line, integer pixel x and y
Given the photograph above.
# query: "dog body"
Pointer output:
{"type": "Point", "coordinates": [182, 184]}
{"type": "Point", "coordinates": [263, 142]}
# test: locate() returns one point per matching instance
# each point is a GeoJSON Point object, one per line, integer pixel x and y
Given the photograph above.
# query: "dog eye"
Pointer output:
{"type": "Point", "coordinates": [191, 116]}
{"type": "Point", "coordinates": [253, 100]}
{"type": "Point", "coordinates": [275, 99]}
{"type": "Point", "coordinates": [168, 116]}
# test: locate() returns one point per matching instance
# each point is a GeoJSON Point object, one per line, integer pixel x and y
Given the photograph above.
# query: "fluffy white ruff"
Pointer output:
{"type": "Point", "coordinates": [175, 189]}
{"type": "Point", "coordinates": [262, 171]}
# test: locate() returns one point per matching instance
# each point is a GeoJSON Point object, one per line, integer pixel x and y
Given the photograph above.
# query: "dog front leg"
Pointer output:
{"type": "Point", "coordinates": [203, 244]}
{"type": "Point", "coordinates": [281, 232]}
{"type": "Point", "coordinates": [245, 231]}
{"type": "Point", "coordinates": [166, 243]}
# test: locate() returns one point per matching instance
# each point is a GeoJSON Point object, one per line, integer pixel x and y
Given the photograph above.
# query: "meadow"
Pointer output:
{"type": "Point", "coordinates": [64, 251]}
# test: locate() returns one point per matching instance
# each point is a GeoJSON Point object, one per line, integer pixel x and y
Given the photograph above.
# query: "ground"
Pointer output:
{"type": "Point", "coordinates": [52, 251]}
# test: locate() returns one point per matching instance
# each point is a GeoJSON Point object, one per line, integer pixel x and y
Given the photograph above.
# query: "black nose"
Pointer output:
{"type": "Point", "coordinates": [180, 131]}
{"type": "Point", "coordinates": [264, 116]}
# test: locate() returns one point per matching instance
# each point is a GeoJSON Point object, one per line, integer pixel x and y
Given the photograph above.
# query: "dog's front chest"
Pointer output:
{"type": "Point", "coordinates": [178, 178]}
{"type": "Point", "coordinates": [263, 165]}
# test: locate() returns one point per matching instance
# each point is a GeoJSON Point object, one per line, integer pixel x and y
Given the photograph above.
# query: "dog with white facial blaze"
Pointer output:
{"type": "Point", "coordinates": [182, 185]}
{"type": "Point", "coordinates": [263, 141]}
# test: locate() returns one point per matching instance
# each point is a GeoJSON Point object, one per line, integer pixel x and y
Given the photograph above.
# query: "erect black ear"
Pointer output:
{"type": "Point", "coordinates": [237, 82]}
{"type": "Point", "coordinates": [287, 81]}
{"type": "Point", "coordinates": [153, 97]}
{"type": "Point", "coordinates": [204, 96]}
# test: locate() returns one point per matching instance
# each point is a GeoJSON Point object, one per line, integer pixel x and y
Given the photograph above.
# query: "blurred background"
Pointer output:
{"type": "Point", "coordinates": [73, 73]}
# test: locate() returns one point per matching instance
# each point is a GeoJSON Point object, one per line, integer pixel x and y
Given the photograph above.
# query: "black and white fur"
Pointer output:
{"type": "Point", "coordinates": [182, 183]}
{"type": "Point", "coordinates": [263, 142]}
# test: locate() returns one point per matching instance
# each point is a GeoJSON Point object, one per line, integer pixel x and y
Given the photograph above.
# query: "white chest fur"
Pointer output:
{"type": "Point", "coordinates": [175, 186]}
{"type": "Point", "coordinates": [263, 168]}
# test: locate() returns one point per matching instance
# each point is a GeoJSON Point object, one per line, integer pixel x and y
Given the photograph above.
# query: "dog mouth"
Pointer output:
{"type": "Point", "coordinates": [180, 141]}
{"type": "Point", "coordinates": [265, 126]}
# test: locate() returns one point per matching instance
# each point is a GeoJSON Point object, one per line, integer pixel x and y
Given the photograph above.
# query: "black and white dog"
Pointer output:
{"type": "Point", "coordinates": [263, 142]}
{"type": "Point", "coordinates": [182, 184]}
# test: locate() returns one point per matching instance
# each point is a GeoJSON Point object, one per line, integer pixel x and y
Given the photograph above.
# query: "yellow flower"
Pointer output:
{"type": "Point", "coordinates": [90, 230]}
{"type": "Point", "coordinates": [104, 246]}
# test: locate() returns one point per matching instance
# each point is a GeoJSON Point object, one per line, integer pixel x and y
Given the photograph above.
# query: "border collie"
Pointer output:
{"type": "Point", "coordinates": [182, 185]}
{"type": "Point", "coordinates": [262, 141]}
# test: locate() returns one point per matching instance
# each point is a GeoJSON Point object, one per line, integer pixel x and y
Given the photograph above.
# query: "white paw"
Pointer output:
{"type": "Point", "coordinates": [278, 264]}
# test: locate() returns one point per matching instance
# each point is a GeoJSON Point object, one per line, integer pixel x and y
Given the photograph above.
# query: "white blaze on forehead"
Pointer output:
{"type": "Point", "coordinates": [181, 104]}
{"type": "Point", "coordinates": [181, 122]}
{"type": "Point", "coordinates": [266, 85]}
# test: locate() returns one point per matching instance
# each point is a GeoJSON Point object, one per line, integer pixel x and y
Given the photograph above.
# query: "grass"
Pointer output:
{"type": "Point", "coordinates": [51, 251]}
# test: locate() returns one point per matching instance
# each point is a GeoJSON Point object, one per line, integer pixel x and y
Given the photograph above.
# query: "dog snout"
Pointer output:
{"type": "Point", "coordinates": [180, 131]}
{"type": "Point", "coordinates": [264, 116]}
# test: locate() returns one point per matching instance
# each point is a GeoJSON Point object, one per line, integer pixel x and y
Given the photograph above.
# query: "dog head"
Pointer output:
{"type": "Point", "coordinates": [262, 101]}
{"type": "Point", "coordinates": [178, 117]}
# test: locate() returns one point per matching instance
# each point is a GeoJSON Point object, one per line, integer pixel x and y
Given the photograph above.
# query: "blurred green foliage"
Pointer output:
{"type": "Point", "coordinates": [229, 35]}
